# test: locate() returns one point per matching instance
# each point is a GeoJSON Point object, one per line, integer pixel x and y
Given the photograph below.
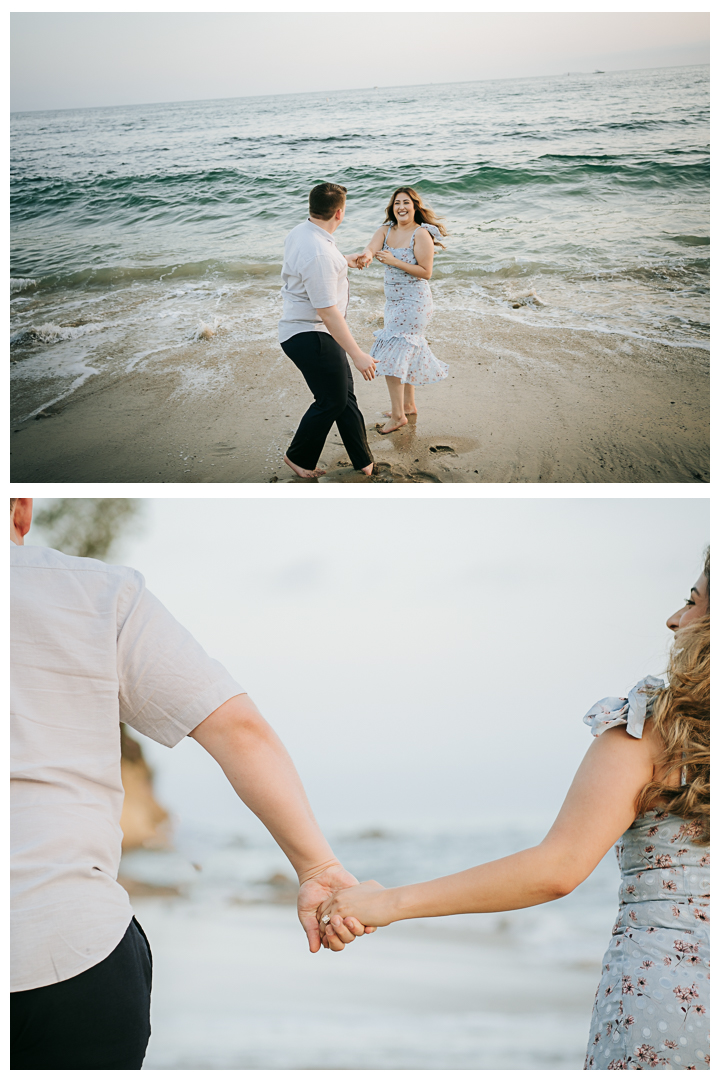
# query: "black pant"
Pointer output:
{"type": "Point", "coordinates": [326, 370]}
{"type": "Point", "coordinates": [99, 1019]}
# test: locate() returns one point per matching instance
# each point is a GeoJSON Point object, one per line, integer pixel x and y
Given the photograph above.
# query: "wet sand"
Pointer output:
{"type": "Point", "coordinates": [522, 404]}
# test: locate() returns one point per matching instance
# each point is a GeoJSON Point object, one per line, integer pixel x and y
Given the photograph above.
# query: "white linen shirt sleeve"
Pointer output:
{"type": "Point", "coordinates": [320, 280]}
{"type": "Point", "coordinates": [167, 682]}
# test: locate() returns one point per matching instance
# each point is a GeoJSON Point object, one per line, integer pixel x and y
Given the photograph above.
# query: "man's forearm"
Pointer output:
{"type": "Point", "coordinates": [262, 773]}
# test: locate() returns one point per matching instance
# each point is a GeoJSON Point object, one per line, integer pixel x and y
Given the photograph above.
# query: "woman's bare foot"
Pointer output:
{"type": "Point", "coordinates": [368, 470]}
{"type": "Point", "coordinates": [408, 412]}
{"type": "Point", "coordinates": [392, 425]}
{"type": "Point", "coordinates": [306, 474]}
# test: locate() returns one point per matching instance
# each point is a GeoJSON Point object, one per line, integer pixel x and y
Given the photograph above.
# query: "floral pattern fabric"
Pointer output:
{"type": "Point", "coordinates": [652, 1006]}
{"type": "Point", "coordinates": [612, 711]}
{"type": "Point", "coordinates": [400, 348]}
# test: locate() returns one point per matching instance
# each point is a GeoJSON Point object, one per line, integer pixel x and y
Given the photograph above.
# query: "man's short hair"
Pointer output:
{"type": "Point", "coordinates": [325, 199]}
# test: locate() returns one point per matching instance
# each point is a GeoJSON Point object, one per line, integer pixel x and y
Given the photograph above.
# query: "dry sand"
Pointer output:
{"type": "Point", "coordinates": [522, 404]}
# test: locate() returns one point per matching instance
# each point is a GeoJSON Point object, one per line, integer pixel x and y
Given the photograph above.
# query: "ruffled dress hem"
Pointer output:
{"type": "Point", "coordinates": [407, 357]}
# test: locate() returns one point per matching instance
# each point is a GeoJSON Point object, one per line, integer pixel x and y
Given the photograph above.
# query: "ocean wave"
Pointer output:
{"type": "Point", "coordinates": [100, 194]}
{"type": "Point", "coordinates": [49, 333]}
{"type": "Point", "coordinates": [18, 284]}
{"type": "Point", "coordinates": [110, 276]}
{"type": "Point", "coordinates": [177, 195]}
{"type": "Point", "coordinates": [691, 241]}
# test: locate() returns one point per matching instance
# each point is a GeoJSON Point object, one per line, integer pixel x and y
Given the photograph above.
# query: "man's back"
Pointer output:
{"type": "Point", "coordinates": [90, 647]}
{"type": "Point", "coordinates": [314, 275]}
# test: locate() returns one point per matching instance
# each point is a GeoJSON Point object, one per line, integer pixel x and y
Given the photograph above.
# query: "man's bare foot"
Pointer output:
{"type": "Point", "coordinates": [408, 412]}
{"type": "Point", "coordinates": [392, 425]}
{"type": "Point", "coordinates": [368, 470]}
{"type": "Point", "coordinates": [306, 474]}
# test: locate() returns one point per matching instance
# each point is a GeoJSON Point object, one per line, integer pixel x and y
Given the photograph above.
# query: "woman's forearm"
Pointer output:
{"type": "Point", "coordinates": [415, 271]}
{"type": "Point", "coordinates": [521, 880]}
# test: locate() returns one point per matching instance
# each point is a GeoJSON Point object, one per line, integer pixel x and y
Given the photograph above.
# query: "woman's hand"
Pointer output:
{"type": "Point", "coordinates": [364, 904]}
{"type": "Point", "coordinates": [363, 260]}
{"type": "Point", "coordinates": [319, 889]}
{"type": "Point", "coordinates": [388, 259]}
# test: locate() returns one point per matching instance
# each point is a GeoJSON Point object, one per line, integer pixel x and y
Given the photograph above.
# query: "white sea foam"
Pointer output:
{"type": "Point", "coordinates": [85, 371]}
{"type": "Point", "coordinates": [49, 333]}
{"type": "Point", "coordinates": [17, 284]}
{"type": "Point", "coordinates": [203, 380]}
{"type": "Point", "coordinates": [204, 331]}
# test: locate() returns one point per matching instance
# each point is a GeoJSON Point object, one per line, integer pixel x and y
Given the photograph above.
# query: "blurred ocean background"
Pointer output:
{"type": "Point", "coordinates": [578, 200]}
{"type": "Point", "coordinates": [236, 988]}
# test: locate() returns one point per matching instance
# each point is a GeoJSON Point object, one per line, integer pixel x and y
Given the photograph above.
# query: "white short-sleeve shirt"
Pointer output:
{"type": "Point", "coordinates": [90, 647]}
{"type": "Point", "coordinates": [314, 276]}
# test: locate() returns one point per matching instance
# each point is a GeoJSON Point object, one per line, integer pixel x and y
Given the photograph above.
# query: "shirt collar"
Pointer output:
{"type": "Point", "coordinates": [317, 228]}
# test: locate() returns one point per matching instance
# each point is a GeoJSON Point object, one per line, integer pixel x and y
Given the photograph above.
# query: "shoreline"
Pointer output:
{"type": "Point", "coordinates": [522, 404]}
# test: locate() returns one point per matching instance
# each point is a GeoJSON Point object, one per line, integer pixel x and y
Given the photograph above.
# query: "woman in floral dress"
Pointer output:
{"type": "Point", "coordinates": [405, 245]}
{"type": "Point", "coordinates": [646, 780]}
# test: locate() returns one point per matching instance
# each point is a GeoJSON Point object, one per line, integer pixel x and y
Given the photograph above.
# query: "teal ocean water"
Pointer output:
{"type": "Point", "coordinates": [581, 198]}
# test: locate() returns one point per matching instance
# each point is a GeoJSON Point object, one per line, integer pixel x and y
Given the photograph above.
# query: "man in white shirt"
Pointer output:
{"type": "Point", "coordinates": [316, 337]}
{"type": "Point", "coordinates": [91, 647]}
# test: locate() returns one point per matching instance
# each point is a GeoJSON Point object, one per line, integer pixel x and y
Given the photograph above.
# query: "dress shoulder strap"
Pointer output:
{"type": "Point", "coordinates": [631, 710]}
{"type": "Point", "coordinates": [432, 229]}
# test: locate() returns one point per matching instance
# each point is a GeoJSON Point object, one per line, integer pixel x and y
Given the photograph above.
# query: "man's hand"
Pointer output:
{"type": "Point", "coordinates": [365, 365]}
{"type": "Point", "coordinates": [363, 260]}
{"type": "Point", "coordinates": [317, 890]}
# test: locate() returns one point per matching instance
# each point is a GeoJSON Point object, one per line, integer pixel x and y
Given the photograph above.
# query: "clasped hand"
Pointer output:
{"type": "Point", "coordinates": [359, 262]}
{"type": "Point", "coordinates": [351, 912]}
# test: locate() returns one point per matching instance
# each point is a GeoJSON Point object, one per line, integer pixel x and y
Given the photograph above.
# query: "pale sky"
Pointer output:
{"type": "Point", "coordinates": [63, 60]}
{"type": "Point", "coordinates": [425, 661]}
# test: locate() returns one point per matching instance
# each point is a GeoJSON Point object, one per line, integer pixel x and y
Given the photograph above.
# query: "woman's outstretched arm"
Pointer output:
{"type": "Point", "coordinates": [368, 254]}
{"type": "Point", "coordinates": [598, 808]}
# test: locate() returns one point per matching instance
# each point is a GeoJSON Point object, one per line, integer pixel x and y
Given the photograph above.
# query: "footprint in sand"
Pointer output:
{"type": "Point", "coordinates": [424, 478]}
{"type": "Point", "coordinates": [440, 449]}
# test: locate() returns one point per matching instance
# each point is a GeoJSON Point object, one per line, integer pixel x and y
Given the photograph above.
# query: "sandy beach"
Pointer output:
{"type": "Point", "coordinates": [237, 988]}
{"type": "Point", "coordinates": [522, 404]}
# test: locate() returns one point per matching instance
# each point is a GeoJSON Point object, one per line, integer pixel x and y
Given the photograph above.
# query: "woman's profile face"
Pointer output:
{"type": "Point", "coordinates": [696, 606]}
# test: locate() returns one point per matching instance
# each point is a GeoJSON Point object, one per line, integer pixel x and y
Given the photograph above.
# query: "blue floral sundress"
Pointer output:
{"type": "Point", "coordinates": [400, 348]}
{"type": "Point", "coordinates": [652, 1008]}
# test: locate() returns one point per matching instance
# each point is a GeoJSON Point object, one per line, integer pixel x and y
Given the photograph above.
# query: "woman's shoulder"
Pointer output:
{"type": "Point", "coordinates": [432, 229]}
{"type": "Point", "coordinates": [630, 712]}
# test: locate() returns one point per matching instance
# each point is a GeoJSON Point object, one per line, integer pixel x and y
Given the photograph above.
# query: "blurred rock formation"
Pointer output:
{"type": "Point", "coordinates": [143, 821]}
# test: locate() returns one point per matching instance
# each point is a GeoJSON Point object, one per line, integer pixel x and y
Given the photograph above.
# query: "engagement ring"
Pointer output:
{"type": "Point", "coordinates": [325, 919]}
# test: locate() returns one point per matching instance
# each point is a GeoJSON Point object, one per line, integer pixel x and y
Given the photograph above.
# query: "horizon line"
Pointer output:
{"type": "Point", "coordinates": [350, 90]}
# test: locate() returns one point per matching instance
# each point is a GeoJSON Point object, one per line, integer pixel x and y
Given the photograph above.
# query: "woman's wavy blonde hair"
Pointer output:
{"type": "Point", "coordinates": [681, 715]}
{"type": "Point", "coordinates": [423, 214]}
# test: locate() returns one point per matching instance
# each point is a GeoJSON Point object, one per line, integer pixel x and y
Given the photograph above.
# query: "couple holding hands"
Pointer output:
{"type": "Point", "coordinates": [91, 646]}
{"type": "Point", "coordinates": [316, 337]}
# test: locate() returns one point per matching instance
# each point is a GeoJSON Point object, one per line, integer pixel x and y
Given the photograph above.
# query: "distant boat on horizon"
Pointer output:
{"type": "Point", "coordinates": [598, 72]}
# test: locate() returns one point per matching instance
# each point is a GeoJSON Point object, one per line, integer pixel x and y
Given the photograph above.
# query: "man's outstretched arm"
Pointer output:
{"type": "Point", "coordinates": [262, 773]}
